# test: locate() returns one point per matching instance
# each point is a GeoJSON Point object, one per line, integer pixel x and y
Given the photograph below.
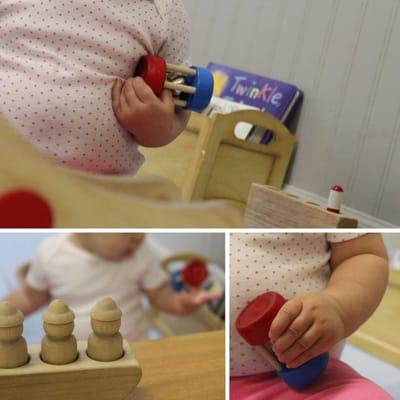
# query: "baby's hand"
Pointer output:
{"type": "Point", "coordinates": [189, 301]}
{"type": "Point", "coordinates": [306, 326]}
{"type": "Point", "coordinates": [141, 112]}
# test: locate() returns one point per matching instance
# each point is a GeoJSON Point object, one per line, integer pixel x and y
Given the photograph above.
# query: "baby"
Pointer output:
{"type": "Point", "coordinates": [333, 282]}
{"type": "Point", "coordinates": [82, 268]}
{"type": "Point", "coordinates": [66, 78]}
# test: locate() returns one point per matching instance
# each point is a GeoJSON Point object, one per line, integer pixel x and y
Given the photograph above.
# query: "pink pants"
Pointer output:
{"type": "Point", "coordinates": [339, 382]}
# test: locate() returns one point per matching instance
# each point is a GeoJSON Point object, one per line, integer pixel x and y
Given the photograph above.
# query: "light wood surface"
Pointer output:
{"type": "Point", "coordinates": [207, 161]}
{"type": "Point", "coordinates": [380, 334]}
{"type": "Point", "coordinates": [84, 379]}
{"type": "Point", "coordinates": [270, 207]}
{"type": "Point", "coordinates": [81, 200]}
{"type": "Point", "coordinates": [182, 368]}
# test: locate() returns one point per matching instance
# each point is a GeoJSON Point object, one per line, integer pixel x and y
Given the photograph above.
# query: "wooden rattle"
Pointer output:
{"type": "Point", "coordinates": [253, 325]}
{"type": "Point", "coordinates": [193, 87]}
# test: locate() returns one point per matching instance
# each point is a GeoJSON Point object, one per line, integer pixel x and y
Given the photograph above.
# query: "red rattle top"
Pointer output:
{"type": "Point", "coordinates": [337, 188]}
{"type": "Point", "coordinates": [195, 273]}
{"type": "Point", "coordinates": [254, 321]}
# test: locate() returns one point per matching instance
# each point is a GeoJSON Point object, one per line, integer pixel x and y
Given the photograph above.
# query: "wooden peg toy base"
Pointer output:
{"type": "Point", "coordinates": [270, 207]}
{"type": "Point", "coordinates": [84, 379]}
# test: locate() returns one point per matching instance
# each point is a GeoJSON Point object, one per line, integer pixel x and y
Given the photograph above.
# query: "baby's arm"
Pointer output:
{"type": "Point", "coordinates": [165, 299]}
{"type": "Point", "coordinates": [153, 121]}
{"type": "Point", "coordinates": [312, 323]}
{"type": "Point", "coordinates": [28, 300]}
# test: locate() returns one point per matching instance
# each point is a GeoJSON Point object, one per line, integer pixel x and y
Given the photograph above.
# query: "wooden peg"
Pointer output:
{"type": "Point", "coordinates": [180, 103]}
{"type": "Point", "coordinates": [13, 347]}
{"type": "Point", "coordinates": [105, 343]}
{"type": "Point", "coordinates": [269, 356]}
{"type": "Point", "coordinates": [59, 346]}
{"type": "Point", "coordinates": [180, 88]}
{"type": "Point", "coordinates": [181, 70]}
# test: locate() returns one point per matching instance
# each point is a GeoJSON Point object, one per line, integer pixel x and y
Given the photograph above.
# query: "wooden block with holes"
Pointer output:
{"type": "Point", "coordinates": [101, 368]}
{"type": "Point", "coordinates": [270, 207]}
{"type": "Point", "coordinates": [85, 379]}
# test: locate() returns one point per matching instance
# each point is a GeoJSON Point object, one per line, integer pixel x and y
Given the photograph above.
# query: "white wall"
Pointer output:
{"type": "Point", "coordinates": [345, 55]}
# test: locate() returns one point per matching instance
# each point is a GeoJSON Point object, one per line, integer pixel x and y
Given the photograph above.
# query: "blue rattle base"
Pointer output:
{"type": "Point", "coordinates": [176, 282]}
{"type": "Point", "coordinates": [305, 375]}
{"type": "Point", "coordinates": [203, 81]}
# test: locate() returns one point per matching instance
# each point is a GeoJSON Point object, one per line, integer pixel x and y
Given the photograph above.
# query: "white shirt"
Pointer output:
{"type": "Point", "coordinates": [58, 62]}
{"type": "Point", "coordinates": [287, 263]}
{"type": "Point", "coordinates": [81, 279]}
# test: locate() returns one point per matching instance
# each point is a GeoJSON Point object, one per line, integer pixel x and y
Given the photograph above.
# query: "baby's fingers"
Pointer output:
{"type": "Point", "coordinates": [116, 95]}
{"type": "Point", "coordinates": [286, 315]}
{"type": "Point", "coordinates": [313, 351]}
{"type": "Point", "coordinates": [295, 331]}
{"type": "Point", "coordinates": [143, 91]}
{"type": "Point", "coordinates": [203, 296]}
{"type": "Point", "coordinates": [167, 99]}
{"type": "Point", "coordinates": [301, 346]}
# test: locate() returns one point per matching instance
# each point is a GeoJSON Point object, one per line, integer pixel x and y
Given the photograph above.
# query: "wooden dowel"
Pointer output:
{"type": "Point", "coordinates": [269, 357]}
{"type": "Point", "coordinates": [180, 88]}
{"type": "Point", "coordinates": [180, 103]}
{"type": "Point", "coordinates": [180, 69]}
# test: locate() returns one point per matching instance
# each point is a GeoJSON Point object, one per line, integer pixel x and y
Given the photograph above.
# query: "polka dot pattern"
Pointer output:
{"type": "Point", "coordinates": [288, 263]}
{"type": "Point", "coordinates": [58, 61]}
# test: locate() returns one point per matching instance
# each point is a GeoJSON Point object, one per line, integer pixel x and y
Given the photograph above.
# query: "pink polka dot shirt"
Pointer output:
{"type": "Point", "coordinates": [286, 263]}
{"type": "Point", "coordinates": [58, 61]}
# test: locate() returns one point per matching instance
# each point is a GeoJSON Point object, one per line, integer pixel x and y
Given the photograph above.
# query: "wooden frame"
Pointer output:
{"type": "Point", "coordinates": [208, 162]}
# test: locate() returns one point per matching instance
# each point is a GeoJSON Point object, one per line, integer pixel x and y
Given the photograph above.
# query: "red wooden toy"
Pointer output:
{"type": "Point", "coordinates": [254, 323]}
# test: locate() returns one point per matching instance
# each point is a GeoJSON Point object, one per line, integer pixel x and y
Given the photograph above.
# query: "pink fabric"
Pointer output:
{"type": "Point", "coordinates": [58, 61]}
{"type": "Point", "coordinates": [339, 382]}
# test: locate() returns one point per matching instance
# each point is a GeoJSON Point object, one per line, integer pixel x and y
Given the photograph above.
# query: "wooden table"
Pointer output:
{"type": "Point", "coordinates": [182, 367]}
{"type": "Point", "coordinates": [380, 334]}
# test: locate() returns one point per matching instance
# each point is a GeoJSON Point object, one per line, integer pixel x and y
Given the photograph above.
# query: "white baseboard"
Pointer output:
{"type": "Point", "coordinates": [365, 220]}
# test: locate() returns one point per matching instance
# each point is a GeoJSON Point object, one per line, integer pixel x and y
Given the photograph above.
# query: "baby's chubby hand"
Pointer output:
{"type": "Point", "coordinates": [142, 113]}
{"type": "Point", "coordinates": [306, 326]}
{"type": "Point", "coordinates": [189, 301]}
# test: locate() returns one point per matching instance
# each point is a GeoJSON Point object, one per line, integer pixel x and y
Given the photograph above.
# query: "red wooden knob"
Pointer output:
{"type": "Point", "coordinates": [153, 70]}
{"type": "Point", "coordinates": [194, 273]}
{"type": "Point", "coordinates": [254, 321]}
{"type": "Point", "coordinates": [24, 209]}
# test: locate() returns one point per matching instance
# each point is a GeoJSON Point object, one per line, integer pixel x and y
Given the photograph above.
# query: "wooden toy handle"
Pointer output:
{"type": "Point", "coordinates": [179, 87]}
{"type": "Point", "coordinates": [180, 69]}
